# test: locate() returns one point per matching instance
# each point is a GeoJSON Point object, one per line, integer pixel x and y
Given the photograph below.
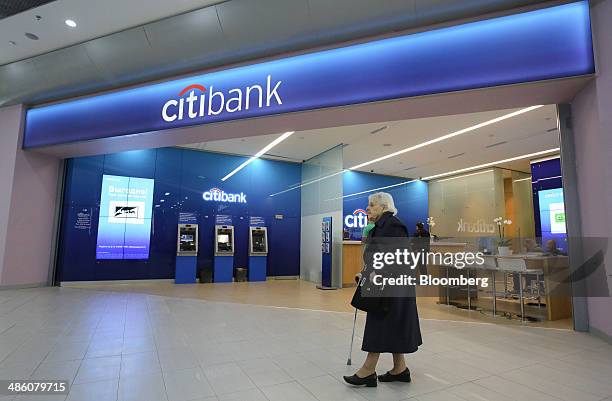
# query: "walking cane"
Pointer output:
{"type": "Point", "coordinates": [348, 362]}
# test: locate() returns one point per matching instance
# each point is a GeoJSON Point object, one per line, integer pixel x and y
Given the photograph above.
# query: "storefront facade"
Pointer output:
{"type": "Point", "coordinates": [548, 50]}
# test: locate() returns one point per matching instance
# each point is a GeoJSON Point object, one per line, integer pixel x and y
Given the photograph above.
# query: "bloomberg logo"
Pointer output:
{"type": "Point", "coordinates": [217, 195]}
{"type": "Point", "coordinates": [237, 99]}
{"type": "Point", "coordinates": [359, 218]}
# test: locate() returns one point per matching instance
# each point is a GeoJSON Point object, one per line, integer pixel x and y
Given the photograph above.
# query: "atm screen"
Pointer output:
{"type": "Point", "coordinates": [186, 238]}
{"type": "Point", "coordinates": [259, 241]}
{"type": "Point", "coordinates": [223, 238]}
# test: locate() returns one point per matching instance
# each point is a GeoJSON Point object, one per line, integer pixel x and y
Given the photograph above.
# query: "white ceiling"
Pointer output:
{"type": "Point", "coordinates": [94, 18]}
{"type": "Point", "coordinates": [530, 132]}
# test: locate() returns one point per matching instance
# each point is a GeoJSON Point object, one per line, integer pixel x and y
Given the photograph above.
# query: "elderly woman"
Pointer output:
{"type": "Point", "coordinates": [397, 329]}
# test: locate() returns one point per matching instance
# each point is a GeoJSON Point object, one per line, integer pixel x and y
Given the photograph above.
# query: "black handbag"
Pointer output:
{"type": "Point", "coordinates": [369, 303]}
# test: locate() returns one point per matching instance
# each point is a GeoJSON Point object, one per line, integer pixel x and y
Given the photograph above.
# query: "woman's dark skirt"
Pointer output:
{"type": "Point", "coordinates": [396, 331]}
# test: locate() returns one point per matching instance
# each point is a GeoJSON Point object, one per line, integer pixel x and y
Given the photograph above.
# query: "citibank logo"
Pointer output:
{"type": "Point", "coordinates": [479, 226]}
{"type": "Point", "coordinates": [198, 105]}
{"type": "Point", "coordinates": [359, 218]}
{"type": "Point", "coordinates": [217, 195]}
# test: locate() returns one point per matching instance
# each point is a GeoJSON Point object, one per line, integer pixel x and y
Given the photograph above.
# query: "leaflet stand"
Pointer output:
{"type": "Point", "coordinates": [326, 253]}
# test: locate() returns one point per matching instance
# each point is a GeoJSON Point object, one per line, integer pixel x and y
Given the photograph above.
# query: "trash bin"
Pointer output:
{"type": "Point", "coordinates": [205, 275]}
{"type": "Point", "coordinates": [241, 274]}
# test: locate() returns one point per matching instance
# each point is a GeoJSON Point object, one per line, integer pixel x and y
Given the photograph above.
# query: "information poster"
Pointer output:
{"type": "Point", "coordinates": [124, 228]}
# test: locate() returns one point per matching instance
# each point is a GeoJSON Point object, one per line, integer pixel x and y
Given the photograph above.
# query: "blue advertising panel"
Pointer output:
{"type": "Point", "coordinates": [543, 44]}
{"type": "Point", "coordinates": [552, 217]}
{"type": "Point", "coordinates": [124, 227]}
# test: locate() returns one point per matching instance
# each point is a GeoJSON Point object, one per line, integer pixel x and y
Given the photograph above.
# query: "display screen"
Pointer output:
{"type": "Point", "coordinates": [124, 228]}
{"type": "Point", "coordinates": [552, 217]}
{"type": "Point", "coordinates": [223, 238]}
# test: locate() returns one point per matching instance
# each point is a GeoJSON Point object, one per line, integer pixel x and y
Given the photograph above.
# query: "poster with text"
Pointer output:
{"type": "Point", "coordinates": [124, 228]}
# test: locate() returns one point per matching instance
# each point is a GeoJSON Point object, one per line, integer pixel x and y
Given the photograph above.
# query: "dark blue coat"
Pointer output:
{"type": "Point", "coordinates": [396, 331]}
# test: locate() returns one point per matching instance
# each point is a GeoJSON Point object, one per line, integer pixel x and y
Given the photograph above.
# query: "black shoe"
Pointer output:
{"type": "Point", "coordinates": [401, 377]}
{"type": "Point", "coordinates": [368, 381]}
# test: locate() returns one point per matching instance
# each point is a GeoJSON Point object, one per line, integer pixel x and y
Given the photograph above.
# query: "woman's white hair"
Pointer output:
{"type": "Point", "coordinates": [385, 200]}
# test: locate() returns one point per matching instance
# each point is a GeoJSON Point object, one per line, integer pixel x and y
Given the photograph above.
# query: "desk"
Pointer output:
{"type": "Point", "coordinates": [352, 261]}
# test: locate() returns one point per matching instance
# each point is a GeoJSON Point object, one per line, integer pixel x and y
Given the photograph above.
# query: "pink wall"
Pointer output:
{"type": "Point", "coordinates": [10, 122]}
{"type": "Point", "coordinates": [592, 116]}
{"type": "Point", "coordinates": [27, 205]}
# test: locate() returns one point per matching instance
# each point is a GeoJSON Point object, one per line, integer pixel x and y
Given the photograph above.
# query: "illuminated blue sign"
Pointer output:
{"type": "Point", "coordinates": [543, 44]}
{"type": "Point", "coordinates": [217, 195]}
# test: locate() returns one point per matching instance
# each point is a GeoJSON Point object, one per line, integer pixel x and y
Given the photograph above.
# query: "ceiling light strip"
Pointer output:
{"type": "Point", "coordinates": [522, 179]}
{"type": "Point", "coordinates": [463, 170]}
{"type": "Point", "coordinates": [448, 136]}
{"type": "Point", "coordinates": [259, 154]}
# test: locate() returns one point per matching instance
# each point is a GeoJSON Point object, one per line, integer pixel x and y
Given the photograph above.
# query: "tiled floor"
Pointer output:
{"type": "Point", "coordinates": [134, 346]}
{"type": "Point", "coordinates": [305, 295]}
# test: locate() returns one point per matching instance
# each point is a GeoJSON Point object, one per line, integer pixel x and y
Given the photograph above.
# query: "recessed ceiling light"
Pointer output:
{"type": "Point", "coordinates": [31, 36]}
{"type": "Point", "coordinates": [70, 23]}
{"type": "Point", "coordinates": [12, 42]}
{"type": "Point", "coordinates": [38, 17]}
{"type": "Point", "coordinates": [386, 145]}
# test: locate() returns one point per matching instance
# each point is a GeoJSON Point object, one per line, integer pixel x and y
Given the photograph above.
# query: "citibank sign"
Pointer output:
{"type": "Point", "coordinates": [217, 195]}
{"type": "Point", "coordinates": [358, 219]}
{"type": "Point", "coordinates": [198, 105]}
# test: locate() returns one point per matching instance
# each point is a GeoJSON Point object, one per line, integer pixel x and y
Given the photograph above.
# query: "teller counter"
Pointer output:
{"type": "Point", "coordinates": [352, 261]}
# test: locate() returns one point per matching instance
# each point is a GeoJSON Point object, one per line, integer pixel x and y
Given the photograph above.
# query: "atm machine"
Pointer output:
{"type": "Point", "coordinates": [258, 253]}
{"type": "Point", "coordinates": [223, 271]}
{"type": "Point", "coordinates": [186, 254]}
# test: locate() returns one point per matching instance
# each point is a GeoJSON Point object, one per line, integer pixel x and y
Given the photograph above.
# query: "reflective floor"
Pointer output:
{"type": "Point", "coordinates": [304, 295]}
{"type": "Point", "coordinates": [135, 346]}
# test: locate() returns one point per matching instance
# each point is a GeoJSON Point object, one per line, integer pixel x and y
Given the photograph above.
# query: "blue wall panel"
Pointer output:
{"type": "Point", "coordinates": [184, 175]}
{"type": "Point", "coordinates": [410, 199]}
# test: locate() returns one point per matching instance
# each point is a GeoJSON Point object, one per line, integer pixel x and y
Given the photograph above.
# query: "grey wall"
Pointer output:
{"type": "Point", "coordinates": [321, 197]}
{"type": "Point", "coordinates": [27, 205]}
{"type": "Point", "coordinates": [592, 120]}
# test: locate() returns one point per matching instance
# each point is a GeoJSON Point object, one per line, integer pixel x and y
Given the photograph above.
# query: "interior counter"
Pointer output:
{"type": "Point", "coordinates": [352, 261]}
